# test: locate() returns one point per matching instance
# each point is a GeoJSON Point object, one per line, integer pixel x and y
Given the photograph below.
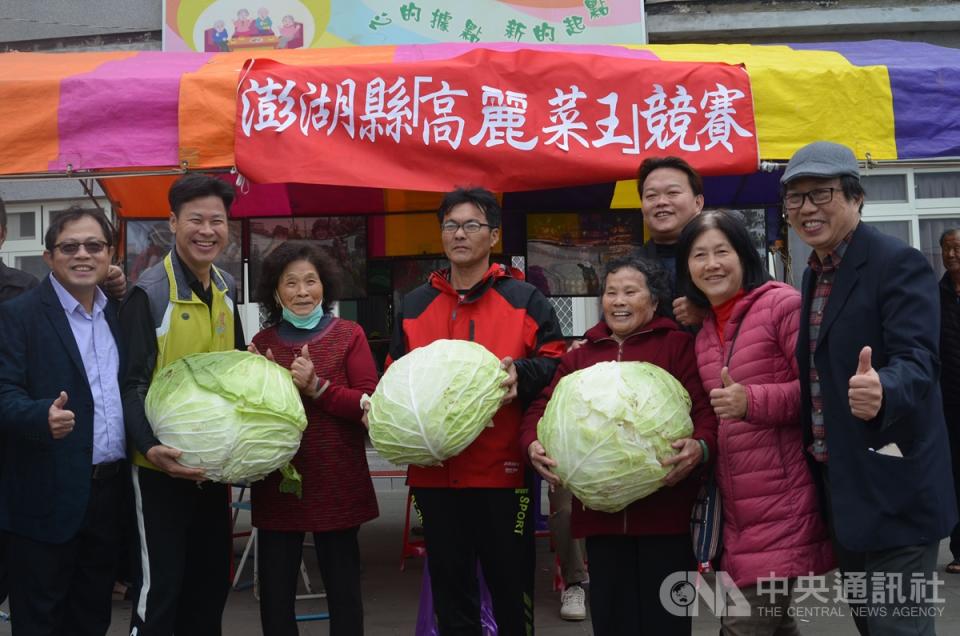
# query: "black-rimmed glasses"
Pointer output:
{"type": "Point", "coordinates": [470, 227]}
{"type": "Point", "coordinates": [818, 196]}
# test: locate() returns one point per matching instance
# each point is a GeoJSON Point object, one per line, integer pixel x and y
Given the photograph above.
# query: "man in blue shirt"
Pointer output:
{"type": "Point", "coordinates": [61, 489]}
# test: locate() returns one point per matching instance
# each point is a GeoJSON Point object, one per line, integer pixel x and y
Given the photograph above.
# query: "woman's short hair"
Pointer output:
{"type": "Point", "coordinates": [277, 261]}
{"type": "Point", "coordinates": [732, 226]}
{"type": "Point", "coordinates": [658, 280]}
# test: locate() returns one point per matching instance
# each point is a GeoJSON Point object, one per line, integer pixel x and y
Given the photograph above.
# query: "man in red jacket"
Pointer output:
{"type": "Point", "coordinates": [477, 505]}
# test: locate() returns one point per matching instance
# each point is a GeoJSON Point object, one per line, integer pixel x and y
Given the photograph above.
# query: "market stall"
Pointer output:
{"type": "Point", "coordinates": [134, 120]}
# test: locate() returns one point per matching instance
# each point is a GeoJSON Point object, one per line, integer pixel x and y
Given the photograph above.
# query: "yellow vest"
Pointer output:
{"type": "Point", "coordinates": [184, 324]}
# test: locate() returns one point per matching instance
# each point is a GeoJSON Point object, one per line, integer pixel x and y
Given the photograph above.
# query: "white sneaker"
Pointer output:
{"type": "Point", "coordinates": [573, 605]}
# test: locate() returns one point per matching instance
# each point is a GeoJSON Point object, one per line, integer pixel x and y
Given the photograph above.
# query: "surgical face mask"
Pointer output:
{"type": "Point", "coordinates": [309, 321]}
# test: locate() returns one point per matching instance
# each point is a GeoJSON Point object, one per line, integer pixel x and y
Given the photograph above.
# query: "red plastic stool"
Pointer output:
{"type": "Point", "coordinates": [410, 547]}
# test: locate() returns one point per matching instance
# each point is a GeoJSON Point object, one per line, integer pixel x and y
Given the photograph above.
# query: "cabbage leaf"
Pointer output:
{"type": "Point", "coordinates": [235, 414]}
{"type": "Point", "coordinates": [433, 402]}
{"type": "Point", "coordinates": [608, 427]}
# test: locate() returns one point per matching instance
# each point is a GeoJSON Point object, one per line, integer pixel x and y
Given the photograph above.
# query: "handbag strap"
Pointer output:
{"type": "Point", "coordinates": [733, 340]}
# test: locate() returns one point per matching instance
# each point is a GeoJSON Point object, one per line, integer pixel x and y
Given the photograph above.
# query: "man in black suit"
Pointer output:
{"type": "Point", "coordinates": [61, 490]}
{"type": "Point", "coordinates": [873, 417]}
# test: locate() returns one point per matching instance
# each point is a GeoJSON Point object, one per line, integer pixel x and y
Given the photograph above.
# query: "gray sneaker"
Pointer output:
{"type": "Point", "coordinates": [573, 604]}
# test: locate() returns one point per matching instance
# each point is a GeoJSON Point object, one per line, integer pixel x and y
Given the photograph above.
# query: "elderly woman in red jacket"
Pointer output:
{"type": "Point", "coordinates": [772, 525]}
{"type": "Point", "coordinates": [631, 552]}
{"type": "Point", "coordinates": [330, 362]}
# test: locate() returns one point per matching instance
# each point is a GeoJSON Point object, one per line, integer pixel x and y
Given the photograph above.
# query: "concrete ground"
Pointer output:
{"type": "Point", "coordinates": [391, 597]}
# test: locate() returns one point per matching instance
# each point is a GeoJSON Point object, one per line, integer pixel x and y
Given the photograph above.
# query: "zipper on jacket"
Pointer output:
{"type": "Point", "coordinates": [620, 344]}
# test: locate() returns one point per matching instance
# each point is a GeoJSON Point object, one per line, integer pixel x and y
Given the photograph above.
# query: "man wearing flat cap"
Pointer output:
{"type": "Point", "coordinates": [868, 359]}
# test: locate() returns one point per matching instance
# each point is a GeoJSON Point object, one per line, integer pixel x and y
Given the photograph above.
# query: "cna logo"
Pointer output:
{"type": "Point", "coordinates": [680, 590]}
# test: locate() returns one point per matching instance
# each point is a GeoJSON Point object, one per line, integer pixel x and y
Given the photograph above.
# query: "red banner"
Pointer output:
{"type": "Point", "coordinates": [506, 121]}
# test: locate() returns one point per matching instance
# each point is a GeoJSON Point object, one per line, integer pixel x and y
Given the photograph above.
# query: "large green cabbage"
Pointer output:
{"type": "Point", "coordinates": [235, 414]}
{"type": "Point", "coordinates": [433, 402]}
{"type": "Point", "coordinates": [609, 425]}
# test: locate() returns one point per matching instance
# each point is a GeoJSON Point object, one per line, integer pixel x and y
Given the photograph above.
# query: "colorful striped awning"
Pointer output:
{"type": "Point", "coordinates": [121, 110]}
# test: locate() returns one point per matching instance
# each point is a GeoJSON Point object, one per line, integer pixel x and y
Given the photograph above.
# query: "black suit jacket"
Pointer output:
{"type": "Point", "coordinates": [45, 483]}
{"type": "Point", "coordinates": [884, 295]}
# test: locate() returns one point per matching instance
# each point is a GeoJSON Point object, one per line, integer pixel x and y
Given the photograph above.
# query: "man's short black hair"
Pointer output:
{"type": "Point", "coordinates": [485, 200]}
{"type": "Point", "coordinates": [75, 213]}
{"type": "Point", "coordinates": [196, 186]}
{"type": "Point", "coordinates": [655, 163]}
{"type": "Point", "coordinates": [731, 225]}
{"type": "Point", "coordinates": [658, 280]}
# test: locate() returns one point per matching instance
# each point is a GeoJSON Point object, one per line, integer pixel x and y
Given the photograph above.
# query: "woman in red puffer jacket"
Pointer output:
{"type": "Point", "coordinates": [631, 552]}
{"type": "Point", "coordinates": [772, 526]}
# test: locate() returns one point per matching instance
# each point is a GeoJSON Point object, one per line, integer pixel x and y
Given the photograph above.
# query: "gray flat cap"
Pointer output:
{"type": "Point", "coordinates": [821, 159]}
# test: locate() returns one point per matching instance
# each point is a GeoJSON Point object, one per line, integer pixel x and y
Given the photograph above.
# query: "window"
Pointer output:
{"type": "Point", "coordinates": [884, 188]}
{"type": "Point", "coordinates": [898, 229]}
{"type": "Point", "coordinates": [937, 185]}
{"type": "Point", "coordinates": [21, 226]}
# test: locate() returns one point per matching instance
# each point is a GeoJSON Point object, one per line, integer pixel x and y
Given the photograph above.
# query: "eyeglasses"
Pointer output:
{"type": "Point", "coordinates": [470, 227]}
{"type": "Point", "coordinates": [819, 196]}
{"type": "Point", "coordinates": [72, 247]}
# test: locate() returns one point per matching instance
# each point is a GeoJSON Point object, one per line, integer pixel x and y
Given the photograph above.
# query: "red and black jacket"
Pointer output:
{"type": "Point", "coordinates": [510, 318]}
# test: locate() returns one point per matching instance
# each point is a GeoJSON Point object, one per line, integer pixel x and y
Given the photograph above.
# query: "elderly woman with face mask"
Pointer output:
{"type": "Point", "coordinates": [630, 553]}
{"type": "Point", "coordinates": [330, 362]}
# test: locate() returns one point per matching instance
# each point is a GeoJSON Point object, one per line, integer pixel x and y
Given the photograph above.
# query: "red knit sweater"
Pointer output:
{"type": "Point", "coordinates": [337, 489]}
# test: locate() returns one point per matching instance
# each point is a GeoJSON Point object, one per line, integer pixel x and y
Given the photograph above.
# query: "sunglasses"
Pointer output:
{"type": "Point", "coordinates": [72, 247]}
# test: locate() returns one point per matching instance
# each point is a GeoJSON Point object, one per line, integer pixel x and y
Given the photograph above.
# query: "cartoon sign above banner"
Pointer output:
{"type": "Point", "coordinates": [252, 25]}
{"type": "Point", "coordinates": [509, 121]}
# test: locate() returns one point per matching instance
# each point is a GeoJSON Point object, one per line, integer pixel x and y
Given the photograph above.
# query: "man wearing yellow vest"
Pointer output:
{"type": "Point", "coordinates": [182, 305]}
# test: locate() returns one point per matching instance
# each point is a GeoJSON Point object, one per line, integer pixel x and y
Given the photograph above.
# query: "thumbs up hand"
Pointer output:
{"type": "Point", "coordinates": [866, 392]}
{"type": "Point", "coordinates": [61, 421]}
{"type": "Point", "coordinates": [729, 402]}
{"type": "Point", "coordinates": [303, 373]}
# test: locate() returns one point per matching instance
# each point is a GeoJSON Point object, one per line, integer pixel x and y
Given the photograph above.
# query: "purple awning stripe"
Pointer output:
{"type": "Point", "coordinates": [925, 83]}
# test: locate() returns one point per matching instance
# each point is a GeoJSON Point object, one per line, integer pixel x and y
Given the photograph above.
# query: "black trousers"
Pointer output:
{"type": "Point", "coordinates": [185, 547]}
{"type": "Point", "coordinates": [67, 589]}
{"type": "Point", "coordinates": [494, 526]}
{"type": "Point", "coordinates": [625, 578]}
{"type": "Point", "coordinates": [338, 553]}
{"type": "Point", "coordinates": [905, 562]}
{"type": "Point", "coordinates": [951, 413]}
{"type": "Point", "coordinates": [4, 582]}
